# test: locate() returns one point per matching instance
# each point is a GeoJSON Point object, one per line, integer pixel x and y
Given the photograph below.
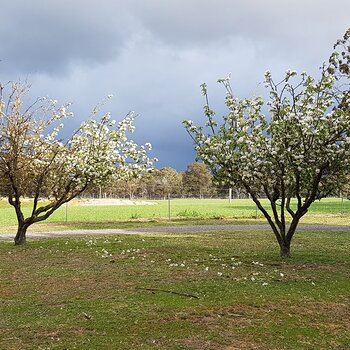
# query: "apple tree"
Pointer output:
{"type": "Point", "coordinates": [36, 163]}
{"type": "Point", "coordinates": [296, 153]}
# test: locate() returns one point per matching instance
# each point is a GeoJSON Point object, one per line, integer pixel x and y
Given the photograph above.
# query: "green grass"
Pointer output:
{"type": "Point", "coordinates": [120, 292]}
{"type": "Point", "coordinates": [181, 209]}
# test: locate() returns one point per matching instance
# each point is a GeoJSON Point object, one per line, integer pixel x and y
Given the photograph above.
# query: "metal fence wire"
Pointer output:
{"type": "Point", "coordinates": [220, 204]}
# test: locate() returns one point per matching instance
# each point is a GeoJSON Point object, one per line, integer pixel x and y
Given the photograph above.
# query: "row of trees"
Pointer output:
{"type": "Point", "coordinates": [196, 181]}
{"type": "Point", "coordinates": [299, 152]}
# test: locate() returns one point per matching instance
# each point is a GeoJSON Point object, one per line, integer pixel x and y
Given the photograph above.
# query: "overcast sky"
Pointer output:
{"type": "Point", "coordinates": [152, 55]}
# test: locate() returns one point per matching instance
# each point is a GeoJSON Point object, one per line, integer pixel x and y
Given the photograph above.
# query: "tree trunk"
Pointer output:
{"type": "Point", "coordinates": [285, 250]}
{"type": "Point", "coordinates": [287, 241]}
{"type": "Point", "coordinates": [20, 238]}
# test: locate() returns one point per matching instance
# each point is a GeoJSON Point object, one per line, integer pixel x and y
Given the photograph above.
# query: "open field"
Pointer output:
{"type": "Point", "coordinates": [330, 210]}
{"type": "Point", "coordinates": [215, 290]}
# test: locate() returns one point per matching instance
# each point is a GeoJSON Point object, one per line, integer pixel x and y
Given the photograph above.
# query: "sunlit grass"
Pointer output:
{"type": "Point", "coordinates": [337, 211]}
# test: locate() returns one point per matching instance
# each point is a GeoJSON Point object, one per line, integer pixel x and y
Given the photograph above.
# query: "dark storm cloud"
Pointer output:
{"type": "Point", "coordinates": [153, 54]}
{"type": "Point", "coordinates": [51, 36]}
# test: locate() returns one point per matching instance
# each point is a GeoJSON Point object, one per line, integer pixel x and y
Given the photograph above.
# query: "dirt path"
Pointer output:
{"type": "Point", "coordinates": [171, 229]}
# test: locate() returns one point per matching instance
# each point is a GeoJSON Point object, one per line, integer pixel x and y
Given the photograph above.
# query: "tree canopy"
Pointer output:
{"type": "Point", "coordinates": [298, 153]}
{"type": "Point", "coordinates": [36, 163]}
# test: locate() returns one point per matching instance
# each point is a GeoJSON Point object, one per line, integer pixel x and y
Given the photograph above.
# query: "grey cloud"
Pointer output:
{"type": "Point", "coordinates": [51, 37]}
{"type": "Point", "coordinates": [153, 55]}
{"type": "Point", "coordinates": [193, 22]}
{"type": "Point", "coordinates": [48, 36]}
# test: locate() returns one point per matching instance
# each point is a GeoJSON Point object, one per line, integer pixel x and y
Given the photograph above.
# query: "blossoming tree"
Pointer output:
{"type": "Point", "coordinates": [36, 164]}
{"type": "Point", "coordinates": [297, 154]}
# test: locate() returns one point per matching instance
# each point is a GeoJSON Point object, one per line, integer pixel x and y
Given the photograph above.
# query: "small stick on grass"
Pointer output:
{"type": "Point", "coordinates": [168, 291]}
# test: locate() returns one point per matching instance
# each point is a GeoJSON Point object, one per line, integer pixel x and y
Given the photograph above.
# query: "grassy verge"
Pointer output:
{"type": "Point", "coordinates": [197, 291]}
{"type": "Point", "coordinates": [332, 211]}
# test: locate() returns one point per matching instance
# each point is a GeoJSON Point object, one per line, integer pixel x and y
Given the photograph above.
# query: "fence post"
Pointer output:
{"type": "Point", "coordinates": [169, 212]}
{"type": "Point", "coordinates": [230, 195]}
{"type": "Point", "coordinates": [66, 212]}
{"type": "Point", "coordinates": [342, 205]}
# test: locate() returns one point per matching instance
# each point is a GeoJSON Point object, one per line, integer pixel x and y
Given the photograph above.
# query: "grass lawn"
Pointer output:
{"type": "Point", "coordinates": [330, 210]}
{"type": "Point", "coordinates": [196, 291]}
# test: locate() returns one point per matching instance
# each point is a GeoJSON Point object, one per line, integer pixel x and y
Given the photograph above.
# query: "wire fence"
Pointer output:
{"type": "Point", "coordinates": [170, 208]}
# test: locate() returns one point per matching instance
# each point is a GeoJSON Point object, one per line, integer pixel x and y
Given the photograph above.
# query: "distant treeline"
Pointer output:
{"type": "Point", "coordinates": [196, 182]}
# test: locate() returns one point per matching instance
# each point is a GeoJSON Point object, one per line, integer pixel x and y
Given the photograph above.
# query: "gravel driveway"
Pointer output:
{"type": "Point", "coordinates": [172, 229]}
